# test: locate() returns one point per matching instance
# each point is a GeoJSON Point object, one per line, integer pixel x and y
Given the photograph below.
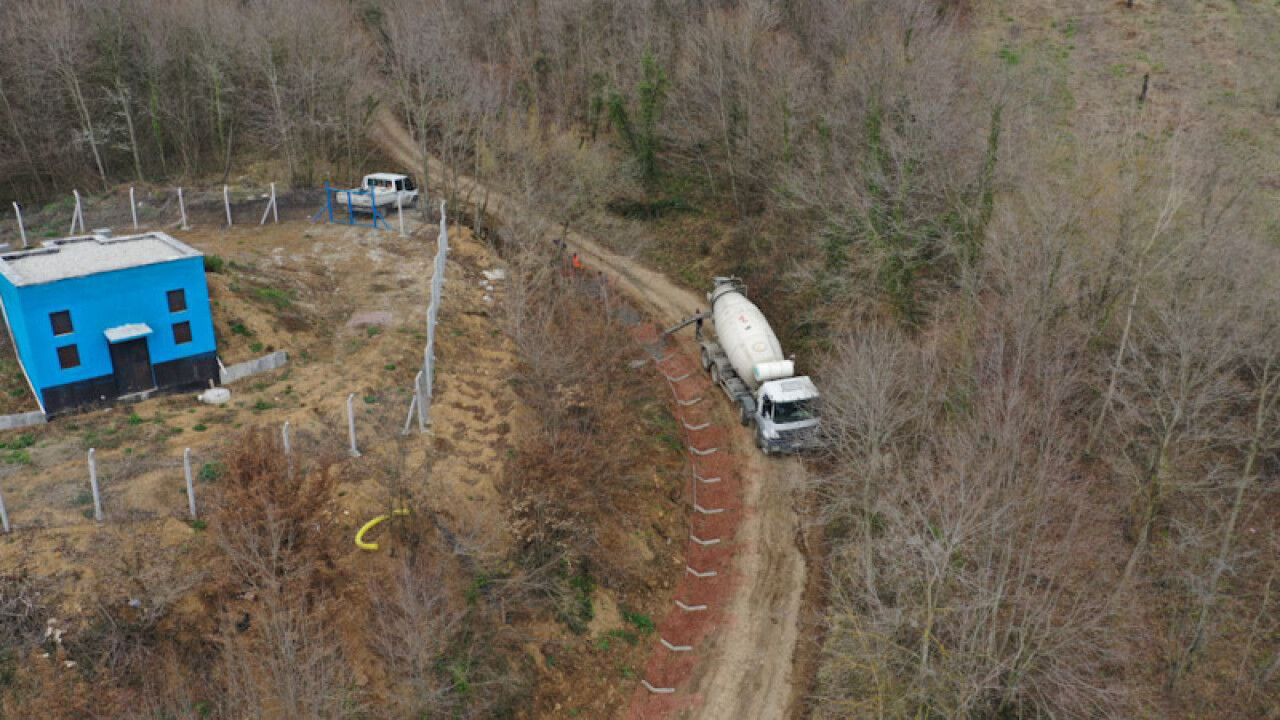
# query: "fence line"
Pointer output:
{"type": "Point", "coordinates": [425, 381]}
{"type": "Point", "coordinates": [188, 472]}
{"type": "Point", "coordinates": [78, 223]}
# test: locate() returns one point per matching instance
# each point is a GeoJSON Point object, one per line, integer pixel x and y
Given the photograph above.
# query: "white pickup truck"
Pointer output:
{"type": "Point", "coordinates": [380, 190]}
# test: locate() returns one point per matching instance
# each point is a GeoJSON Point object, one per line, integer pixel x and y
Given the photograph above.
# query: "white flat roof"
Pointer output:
{"type": "Point", "coordinates": [90, 254]}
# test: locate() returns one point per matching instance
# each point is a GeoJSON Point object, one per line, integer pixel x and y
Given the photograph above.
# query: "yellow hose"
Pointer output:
{"type": "Point", "coordinates": [360, 543]}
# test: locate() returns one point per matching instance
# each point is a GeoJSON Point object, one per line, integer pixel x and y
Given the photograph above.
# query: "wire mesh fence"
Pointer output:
{"type": "Point", "coordinates": [425, 380]}
{"type": "Point", "coordinates": [156, 208]}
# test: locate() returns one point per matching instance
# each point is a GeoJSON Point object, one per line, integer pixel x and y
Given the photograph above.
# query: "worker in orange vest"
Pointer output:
{"type": "Point", "coordinates": [577, 262]}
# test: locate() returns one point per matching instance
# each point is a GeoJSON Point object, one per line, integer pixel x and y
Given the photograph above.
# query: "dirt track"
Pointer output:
{"type": "Point", "coordinates": [745, 669]}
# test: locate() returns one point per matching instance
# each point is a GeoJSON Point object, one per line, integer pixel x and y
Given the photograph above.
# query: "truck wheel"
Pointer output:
{"type": "Point", "coordinates": [706, 360]}
{"type": "Point", "coordinates": [744, 417]}
{"type": "Point", "coordinates": [760, 441]}
{"type": "Point", "coordinates": [715, 375]}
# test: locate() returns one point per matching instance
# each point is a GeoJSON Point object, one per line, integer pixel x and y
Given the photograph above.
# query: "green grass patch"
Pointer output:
{"type": "Point", "coordinates": [17, 457]}
{"type": "Point", "coordinates": [25, 440]}
{"type": "Point", "coordinates": [641, 622]}
{"type": "Point", "coordinates": [211, 472]}
{"type": "Point", "coordinates": [277, 297]}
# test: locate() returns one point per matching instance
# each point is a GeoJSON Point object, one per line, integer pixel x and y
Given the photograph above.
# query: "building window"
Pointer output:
{"type": "Point", "coordinates": [68, 357]}
{"type": "Point", "coordinates": [61, 322]}
{"type": "Point", "coordinates": [177, 301]}
{"type": "Point", "coordinates": [181, 333]}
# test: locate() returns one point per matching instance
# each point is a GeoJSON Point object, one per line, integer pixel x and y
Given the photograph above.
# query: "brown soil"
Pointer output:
{"type": "Point", "coordinates": [293, 287]}
{"type": "Point", "coordinates": [742, 670]}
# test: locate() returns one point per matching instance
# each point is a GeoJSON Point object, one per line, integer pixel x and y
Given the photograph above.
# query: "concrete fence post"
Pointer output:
{"type": "Point", "coordinates": [4, 515]}
{"type": "Point", "coordinates": [191, 488]}
{"type": "Point", "coordinates": [351, 425]}
{"type": "Point", "coordinates": [418, 383]}
{"type": "Point", "coordinates": [93, 485]}
{"type": "Point", "coordinates": [428, 378]}
{"type": "Point", "coordinates": [284, 434]}
{"type": "Point", "coordinates": [77, 217]}
{"type": "Point", "coordinates": [22, 230]}
{"type": "Point", "coordinates": [133, 208]}
{"type": "Point", "coordinates": [226, 202]}
{"type": "Point", "coordinates": [415, 406]}
{"type": "Point", "coordinates": [270, 209]}
{"type": "Point", "coordinates": [182, 208]}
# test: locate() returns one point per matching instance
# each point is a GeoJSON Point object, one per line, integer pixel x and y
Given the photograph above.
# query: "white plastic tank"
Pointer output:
{"type": "Point", "coordinates": [746, 337]}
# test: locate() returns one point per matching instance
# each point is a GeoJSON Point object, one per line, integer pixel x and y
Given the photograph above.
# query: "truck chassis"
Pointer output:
{"type": "Point", "coordinates": [716, 362]}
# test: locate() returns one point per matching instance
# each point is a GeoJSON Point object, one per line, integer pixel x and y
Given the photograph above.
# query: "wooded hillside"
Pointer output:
{"type": "Point", "coordinates": [1030, 247]}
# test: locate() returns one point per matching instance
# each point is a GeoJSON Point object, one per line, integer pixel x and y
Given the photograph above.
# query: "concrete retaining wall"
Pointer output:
{"type": "Point", "coordinates": [21, 420]}
{"type": "Point", "coordinates": [263, 364]}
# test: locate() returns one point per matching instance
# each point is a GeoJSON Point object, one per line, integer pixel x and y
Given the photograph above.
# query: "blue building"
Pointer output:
{"type": "Point", "coordinates": [96, 318]}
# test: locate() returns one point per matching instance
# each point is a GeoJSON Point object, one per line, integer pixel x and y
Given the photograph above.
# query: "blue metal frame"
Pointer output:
{"type": "Point", "coordinates": [375, 215]}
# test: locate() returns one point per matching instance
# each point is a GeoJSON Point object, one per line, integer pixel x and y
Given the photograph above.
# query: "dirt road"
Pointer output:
{"type": "Point", "coordinates": [745, 669]}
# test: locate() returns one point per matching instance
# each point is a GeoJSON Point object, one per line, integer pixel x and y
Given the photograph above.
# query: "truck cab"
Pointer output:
{"type": "Point", "coordinates": [786, 415]}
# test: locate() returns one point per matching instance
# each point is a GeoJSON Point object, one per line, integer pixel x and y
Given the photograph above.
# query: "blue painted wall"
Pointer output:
{"type": "Point", "coordinates": [102, 301]}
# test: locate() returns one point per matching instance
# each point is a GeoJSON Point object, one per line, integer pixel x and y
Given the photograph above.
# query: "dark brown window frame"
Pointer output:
{"type": "Point", "coordinates": [181, 295]}
{"type": "Point", "coordinates": [53, 322]}
{"type": "Point", "coordinates": [70, 359]}
{"type": "Point", "coordinates": [177, 337]}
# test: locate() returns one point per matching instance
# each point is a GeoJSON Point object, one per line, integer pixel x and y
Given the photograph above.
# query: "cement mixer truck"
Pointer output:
{"type": "Point", "coordinates": [746, 361]}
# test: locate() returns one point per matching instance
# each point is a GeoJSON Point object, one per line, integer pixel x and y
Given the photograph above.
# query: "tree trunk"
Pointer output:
{"type": "Point", "coordinates": [77, 96]}
{"type": "Point", "coordinates": [122, 96]}
{"type": "Point", "coordinates": [22, 141]}
{"type": "Point", "coordinates": [1151, 502]}
{"type": "Point", "coordinates": [1228, 532]}
{"type": "Point", "coordinates": [282, 124]}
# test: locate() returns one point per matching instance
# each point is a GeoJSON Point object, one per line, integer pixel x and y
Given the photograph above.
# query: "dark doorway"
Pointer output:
{"type": "Point", "coordinates": [132, 364]}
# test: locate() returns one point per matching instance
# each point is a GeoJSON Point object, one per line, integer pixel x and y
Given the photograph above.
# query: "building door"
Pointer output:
{"type": "Point", "coordinates": [132, 363]}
